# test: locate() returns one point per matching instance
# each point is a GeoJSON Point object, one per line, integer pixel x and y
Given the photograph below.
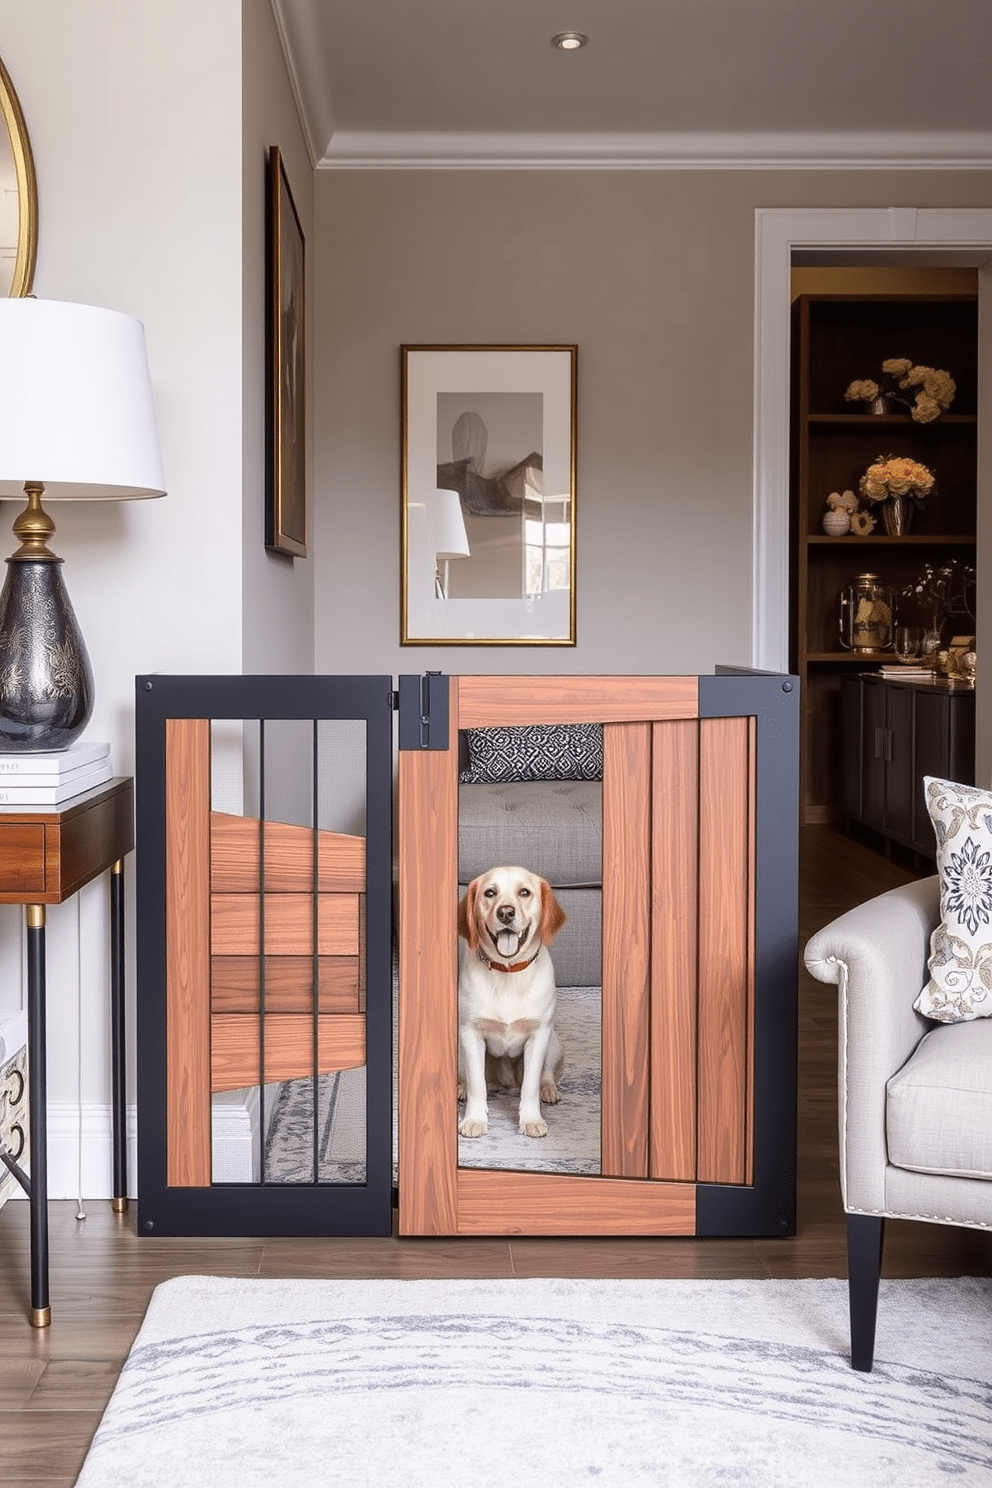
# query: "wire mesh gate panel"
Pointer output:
{"type": "Point", "coordinates": [264, 955]}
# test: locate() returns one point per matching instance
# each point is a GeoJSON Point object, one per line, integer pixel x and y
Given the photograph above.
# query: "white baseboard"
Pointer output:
{"type": "Point", "coordinates": [86, 1164]}
{"type": "Point", "coordinates": [85, 1168]}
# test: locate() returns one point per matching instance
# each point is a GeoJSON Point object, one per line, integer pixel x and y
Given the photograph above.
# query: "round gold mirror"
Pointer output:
{"type": "Point", "coordinates": [18, 197]}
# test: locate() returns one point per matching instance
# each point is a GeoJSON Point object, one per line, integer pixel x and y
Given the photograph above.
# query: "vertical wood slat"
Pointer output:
{"type": "Point", "coordinates": [187, 855]}
{"type": "Point", "coordinates": [428, 992]}
{"type": "Point", "coordinates": [626, 948]}
{"type": "Point", "coordinates": [674, 947]}
{"type": "Point", "coordinates": [725, 947]}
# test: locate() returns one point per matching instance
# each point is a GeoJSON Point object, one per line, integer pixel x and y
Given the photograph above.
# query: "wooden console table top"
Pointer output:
{"type": "Point", "coordinates": [47, 853]}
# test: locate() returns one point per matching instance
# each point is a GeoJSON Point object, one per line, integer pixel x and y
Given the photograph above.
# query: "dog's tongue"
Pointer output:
{"type": "Point", "coordinates": [507, 942]}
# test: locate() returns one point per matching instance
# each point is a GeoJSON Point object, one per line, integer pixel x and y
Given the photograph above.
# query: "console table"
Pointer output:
{"type": "Point", "coordinates": [46, 856]}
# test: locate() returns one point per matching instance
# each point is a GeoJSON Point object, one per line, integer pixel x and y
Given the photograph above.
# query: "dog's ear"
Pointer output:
{"type": "Point", "coordinates": [552, 914]}
{"type": "Point", "coordinates": [467, 927]}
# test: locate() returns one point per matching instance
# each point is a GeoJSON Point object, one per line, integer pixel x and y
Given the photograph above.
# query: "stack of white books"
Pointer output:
{"type": "Point", "coordinates": [907, 670]}
{"type": "Point", "coordinates": [52, 779]}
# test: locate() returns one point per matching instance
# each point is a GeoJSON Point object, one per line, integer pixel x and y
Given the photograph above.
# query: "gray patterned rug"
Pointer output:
{"type": "Point", "coordinates": [426, 1384]}
{"type": "Point", "coordinates": [338, 1154]}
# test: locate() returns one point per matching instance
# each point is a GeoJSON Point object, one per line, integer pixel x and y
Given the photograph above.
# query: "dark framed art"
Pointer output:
{"type": "Point", "coordinates": [488, 501]}
{"type": "Point", "coordinates": [286, 484]}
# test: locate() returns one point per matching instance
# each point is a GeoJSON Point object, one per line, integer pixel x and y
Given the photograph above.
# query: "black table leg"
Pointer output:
{"type": "Point", "coordinates": [118, 1052]}
{"type": "Point", "coordinates": [41, 1312]}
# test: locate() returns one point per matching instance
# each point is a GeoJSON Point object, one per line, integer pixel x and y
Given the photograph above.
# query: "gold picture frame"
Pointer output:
{"type": "Point", "coordinates": [18, 239]}
{"type": "Point", "coordinates": [286, 484]}
{"type": "Point", "coordinates": [488, 496]}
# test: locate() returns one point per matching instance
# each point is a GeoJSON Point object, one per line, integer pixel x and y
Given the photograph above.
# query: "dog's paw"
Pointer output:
{"type": "Point", "coordinates": [474, 1128]}
{"type": "Point", "coordinates": [549, 1093]}
{"type": "Point", "coordinates": [534, 1128]}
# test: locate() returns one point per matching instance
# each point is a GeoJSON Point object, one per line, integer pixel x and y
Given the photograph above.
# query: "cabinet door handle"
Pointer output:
{"type": "Point", "coordinates": [889, 734]}
{"type": "Point", "coordinates": [879, 743]}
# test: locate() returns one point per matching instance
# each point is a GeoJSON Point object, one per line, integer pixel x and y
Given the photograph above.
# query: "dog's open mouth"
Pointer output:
{"type": "Point", "coordinates": [506, 941]}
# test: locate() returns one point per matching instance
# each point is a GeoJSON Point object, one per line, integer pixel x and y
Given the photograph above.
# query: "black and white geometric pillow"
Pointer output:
{"type": "Point", "coordinates": [512, 752]}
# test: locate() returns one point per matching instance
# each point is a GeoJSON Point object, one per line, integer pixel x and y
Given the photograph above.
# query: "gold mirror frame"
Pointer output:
{"type": "Point", "coordinates": [27, 190]}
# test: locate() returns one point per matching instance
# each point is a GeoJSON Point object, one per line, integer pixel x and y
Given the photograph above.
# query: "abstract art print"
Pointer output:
{"type": "Point", "coordinates": [488, 495]}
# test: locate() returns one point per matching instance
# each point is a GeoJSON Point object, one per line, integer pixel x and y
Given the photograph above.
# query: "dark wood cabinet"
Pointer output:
{"type": "Point", "coordinates": [893, 734]}
{"type": "Point", "coordinates": [838, 339]}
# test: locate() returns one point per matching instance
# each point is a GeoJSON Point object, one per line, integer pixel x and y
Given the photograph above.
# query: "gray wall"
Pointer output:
{"type": "Point", "coordinates": [651, 274]}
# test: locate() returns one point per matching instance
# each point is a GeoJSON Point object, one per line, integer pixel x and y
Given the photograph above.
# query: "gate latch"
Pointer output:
{"type": "Point", "coordinates": [424, 712]}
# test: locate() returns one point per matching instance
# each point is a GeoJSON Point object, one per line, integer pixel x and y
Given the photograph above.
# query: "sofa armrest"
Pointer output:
{"type": "Point", "coordinates": [877, 955]}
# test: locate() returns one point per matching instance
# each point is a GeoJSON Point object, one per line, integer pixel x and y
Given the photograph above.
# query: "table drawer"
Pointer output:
{"type": "Point", "coordinates": [22, 858]}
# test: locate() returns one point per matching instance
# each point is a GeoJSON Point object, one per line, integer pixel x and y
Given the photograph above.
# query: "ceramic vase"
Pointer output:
{"type": "Point", "coordinates": [46, 683]}
{"type": "Point", "coordinates": [836, 523]}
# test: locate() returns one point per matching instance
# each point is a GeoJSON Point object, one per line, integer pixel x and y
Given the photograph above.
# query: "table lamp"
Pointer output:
{"type": "Point", "coordinates": [76, 424]}
{"type": "Point", "coordinates": [448, 535]}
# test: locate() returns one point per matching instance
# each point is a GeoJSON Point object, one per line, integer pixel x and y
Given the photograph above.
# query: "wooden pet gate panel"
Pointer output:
{"type": "Point", "coordinates": [679, 828]}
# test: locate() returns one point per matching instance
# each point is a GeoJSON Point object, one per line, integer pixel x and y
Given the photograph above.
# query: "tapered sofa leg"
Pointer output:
{"type": "Point", "coordinates": [865, 1234]}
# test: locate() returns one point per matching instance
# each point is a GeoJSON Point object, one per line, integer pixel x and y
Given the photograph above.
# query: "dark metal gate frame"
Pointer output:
{"type": "Point", "coordinates": [261, 1208]}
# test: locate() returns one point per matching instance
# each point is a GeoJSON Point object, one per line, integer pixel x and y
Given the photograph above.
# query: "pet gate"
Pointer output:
{"type": "Point", "coordinates": [265, 886]}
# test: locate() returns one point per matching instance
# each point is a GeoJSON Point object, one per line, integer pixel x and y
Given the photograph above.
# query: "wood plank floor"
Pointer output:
{"type": "Point", "coordinates": [55, 1382]}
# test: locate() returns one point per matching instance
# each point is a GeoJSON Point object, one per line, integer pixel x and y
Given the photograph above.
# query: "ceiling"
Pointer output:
{"type": "Point", "coordinates": [665, 83]}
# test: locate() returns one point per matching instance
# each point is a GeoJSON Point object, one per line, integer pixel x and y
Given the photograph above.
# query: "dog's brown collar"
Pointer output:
{"type": "Point", "coordinates": [515, 966]}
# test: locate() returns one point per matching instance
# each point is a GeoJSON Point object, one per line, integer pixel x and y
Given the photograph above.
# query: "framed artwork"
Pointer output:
{"type": "Point", "coordinates": [286, 484]}
{"type": "Point", "coordinates": [488, 496]}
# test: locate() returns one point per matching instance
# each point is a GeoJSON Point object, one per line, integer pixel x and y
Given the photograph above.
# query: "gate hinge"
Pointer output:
{"type": "Point", "coordinates": [423, 708]}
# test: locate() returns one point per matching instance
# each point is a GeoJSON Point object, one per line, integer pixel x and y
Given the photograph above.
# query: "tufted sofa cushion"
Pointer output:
{"type": "Point", "coordinates": [554, 828]}
{"type": "Point", "coordinates": [938, 1108]}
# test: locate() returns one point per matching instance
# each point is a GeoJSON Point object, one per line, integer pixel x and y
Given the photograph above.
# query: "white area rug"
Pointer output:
{"type": "Point", "coordinates": [571, 1146]}
{"type": "Point", "coordinates": [426, 1384]}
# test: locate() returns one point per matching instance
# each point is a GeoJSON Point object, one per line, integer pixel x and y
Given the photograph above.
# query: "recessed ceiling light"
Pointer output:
{"type": "Point", "coordinates": [569, 41]}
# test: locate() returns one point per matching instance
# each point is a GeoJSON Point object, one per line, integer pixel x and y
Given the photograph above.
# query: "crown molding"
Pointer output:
{"type": "Point", "coordinates": [298, 28]}
{"type": "Point", "coordinates": [357, 150]}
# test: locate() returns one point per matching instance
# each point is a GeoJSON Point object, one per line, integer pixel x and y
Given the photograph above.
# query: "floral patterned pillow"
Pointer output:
{"type": "Point", "coordinates": [960, 985]}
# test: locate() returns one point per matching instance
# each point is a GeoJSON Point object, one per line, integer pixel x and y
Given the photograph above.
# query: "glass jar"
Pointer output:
{"type": "Point", "coordinates": [867, 608]}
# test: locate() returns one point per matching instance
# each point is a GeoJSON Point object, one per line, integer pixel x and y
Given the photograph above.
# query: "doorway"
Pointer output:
{"type": "Point", "coordinates": [802, 238]}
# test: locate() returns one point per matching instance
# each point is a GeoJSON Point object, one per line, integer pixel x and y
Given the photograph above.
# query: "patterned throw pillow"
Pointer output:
{"type": "Point", "coordinates": [960, 985]}
{"type": "Point", "coordinates": [560, 751]}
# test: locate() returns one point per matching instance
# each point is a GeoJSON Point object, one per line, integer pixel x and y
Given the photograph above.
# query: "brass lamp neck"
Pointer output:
{"type": "Point", "coordinates": [34, 527]}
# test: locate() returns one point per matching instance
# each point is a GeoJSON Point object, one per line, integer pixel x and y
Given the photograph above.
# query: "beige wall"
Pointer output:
{"type": "Point", "coordinates": [278, 591]}
{"type": "Point", "coordinates": [651, 274]}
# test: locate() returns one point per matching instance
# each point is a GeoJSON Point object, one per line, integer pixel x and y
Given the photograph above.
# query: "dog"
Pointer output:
{"type": "Point", "coordinates": [507, 997]}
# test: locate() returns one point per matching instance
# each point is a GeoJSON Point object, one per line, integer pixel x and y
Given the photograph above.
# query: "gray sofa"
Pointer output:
{"type": "Point", "coordinates": [554, 828]}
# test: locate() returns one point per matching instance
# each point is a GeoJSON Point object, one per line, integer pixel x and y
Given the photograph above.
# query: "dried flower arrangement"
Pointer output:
{"type": "Point", "coordinates": [896, 475]}
{"type": "Point", "coordinates": [925, 391]}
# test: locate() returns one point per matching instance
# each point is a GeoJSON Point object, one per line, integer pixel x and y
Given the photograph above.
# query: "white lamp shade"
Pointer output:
{"type": "Point", "coordinates": [448, 525]}
{"type": "Point", "coordinates": [76, 411]}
